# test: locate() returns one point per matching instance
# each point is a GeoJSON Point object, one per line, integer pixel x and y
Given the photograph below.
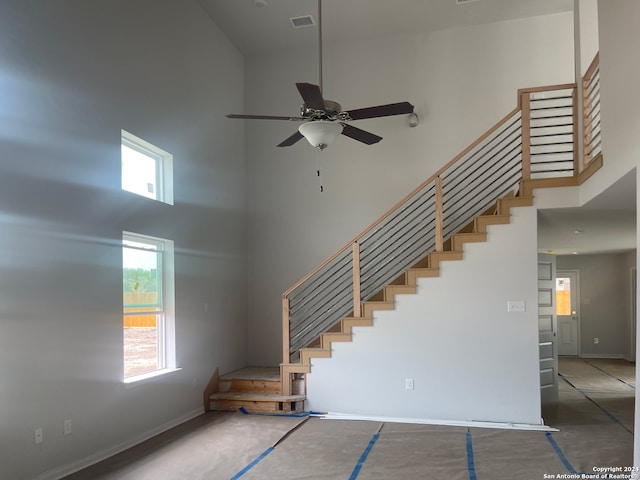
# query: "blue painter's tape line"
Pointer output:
{"type": "Point", "coordinates": [560, 453]}
{"type": "Point", "coordinates": [252, 464]}
{"type": "Point", "coordinates": [611, 416]}
{"type": "Point", "coordinates": [470, 462]}
{"type": "Point", "coordinates": [363, 457]}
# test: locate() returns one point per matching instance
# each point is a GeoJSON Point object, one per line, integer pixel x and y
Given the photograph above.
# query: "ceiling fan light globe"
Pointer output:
{"type": "Point", "coordinates": [320, 133]}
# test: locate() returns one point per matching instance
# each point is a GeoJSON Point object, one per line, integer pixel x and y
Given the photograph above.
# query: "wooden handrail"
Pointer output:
{"type": "Point", "coordinates": [550, 88]}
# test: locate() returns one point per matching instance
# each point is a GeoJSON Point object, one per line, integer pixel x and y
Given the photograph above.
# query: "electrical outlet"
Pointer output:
{"type": "Point", "coordinates": [596, 340]}
{"type": "Point", "coordinates": [408, 383]}
{"type": "Point", "coordinates": [67, 426]}
{"type": "Point", "coordinates": [39, 438]}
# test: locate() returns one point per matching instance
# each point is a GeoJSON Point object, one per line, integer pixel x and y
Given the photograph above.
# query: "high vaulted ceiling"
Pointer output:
{"type": "Point", "coordinates": [257, 29]}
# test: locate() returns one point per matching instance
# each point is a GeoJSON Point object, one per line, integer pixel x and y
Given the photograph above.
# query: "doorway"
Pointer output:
{"type": "Point", "coordinates": [568, 312]}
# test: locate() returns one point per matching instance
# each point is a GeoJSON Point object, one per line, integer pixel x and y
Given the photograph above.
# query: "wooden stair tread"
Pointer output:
{"type": "Point", "coordinates": [254, 373]}
{"type": "Point", "coordinates": [256, 397]}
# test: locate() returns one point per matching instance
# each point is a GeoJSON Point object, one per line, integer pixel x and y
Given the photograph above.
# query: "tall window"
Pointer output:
{"type": "Point", "coordinates": [146, 169]}
{"type": "Point", "coordinates": [148, 291]}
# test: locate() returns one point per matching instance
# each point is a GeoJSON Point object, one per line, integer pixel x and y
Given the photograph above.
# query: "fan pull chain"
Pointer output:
{"type": "Point", "coordinates": [318, 171]}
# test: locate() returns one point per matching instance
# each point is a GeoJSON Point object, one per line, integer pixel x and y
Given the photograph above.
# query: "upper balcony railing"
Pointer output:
{"type": "Point", "coordinates": [538, 139]}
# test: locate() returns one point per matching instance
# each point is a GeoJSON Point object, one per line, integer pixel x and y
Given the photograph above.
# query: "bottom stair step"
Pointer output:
{"type": "Point", "coordinates": [257, 402]}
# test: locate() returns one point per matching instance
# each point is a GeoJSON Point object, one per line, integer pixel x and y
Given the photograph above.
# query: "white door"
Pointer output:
{"type": "Point", "coordinates": [547, 328]}
{"type": "Point", "coordinates": [567, 312]}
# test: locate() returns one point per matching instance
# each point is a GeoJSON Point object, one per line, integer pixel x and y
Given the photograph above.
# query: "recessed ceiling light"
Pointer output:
{"type": "Point", "coordinates": [577, 231]}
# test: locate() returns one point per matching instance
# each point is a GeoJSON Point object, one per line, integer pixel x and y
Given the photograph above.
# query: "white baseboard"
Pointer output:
{"type": "Point", "coordinates": [451, 423]}
{"type": "Point", "coordinates": [64, 470]}
{"type": "Point", "coordinates": [602, 355]}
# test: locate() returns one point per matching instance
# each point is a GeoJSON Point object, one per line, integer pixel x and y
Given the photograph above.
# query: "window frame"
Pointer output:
{"type": "Point", "coordinates": [163, 161]}
{"type": "Point", "coordinates": [165, 308]}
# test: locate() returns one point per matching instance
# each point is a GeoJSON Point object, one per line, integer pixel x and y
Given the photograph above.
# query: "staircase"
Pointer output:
{"type": "Point", "coordinates": [534, 146]}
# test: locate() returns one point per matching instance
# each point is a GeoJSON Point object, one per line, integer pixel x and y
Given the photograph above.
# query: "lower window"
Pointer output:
{"type": "Point", "coordinates": [148, 312]}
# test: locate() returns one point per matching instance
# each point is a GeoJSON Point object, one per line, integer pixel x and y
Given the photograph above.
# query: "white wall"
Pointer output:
{"type": "Point", "coordinates": [619, 102]}
{"type": "Point", "coordinates": [462, 81]}
{"type": "Point", "coordinates": [470, 359]}
{"type": "Point", "coordinates": [72, 74]}
{"type": "Point", "coordinates": [586, 18]}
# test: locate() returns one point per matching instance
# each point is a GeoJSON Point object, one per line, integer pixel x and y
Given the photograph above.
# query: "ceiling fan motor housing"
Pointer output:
{"type": "Point", "coordinates": [332, 111]}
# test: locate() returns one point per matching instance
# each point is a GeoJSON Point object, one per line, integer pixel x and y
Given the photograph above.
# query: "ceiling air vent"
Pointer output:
{"type": "Point", "coordinates": [300, 22]}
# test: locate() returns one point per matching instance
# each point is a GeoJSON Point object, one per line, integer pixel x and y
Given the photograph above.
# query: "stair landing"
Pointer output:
{"type": "Point", "coordinates": [255, 390]}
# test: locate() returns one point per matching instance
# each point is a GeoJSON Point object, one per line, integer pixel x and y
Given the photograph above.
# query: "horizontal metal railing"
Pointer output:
{"type": "Point", "coordinates": [536, 140]}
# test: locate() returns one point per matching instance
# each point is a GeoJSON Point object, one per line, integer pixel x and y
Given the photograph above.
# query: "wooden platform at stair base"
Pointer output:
{"type": "Point", "coordinates": [257, 402]}
{"type": "Point", "coordinates": [256, 390]}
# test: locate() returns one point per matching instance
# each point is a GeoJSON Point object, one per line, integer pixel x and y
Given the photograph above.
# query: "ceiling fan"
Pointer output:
{"type": "Point", "coordinates": [323, 120]}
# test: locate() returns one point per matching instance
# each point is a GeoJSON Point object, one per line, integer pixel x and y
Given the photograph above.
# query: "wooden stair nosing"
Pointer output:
{"type": "Point", "coordinates": [244, 385]}
{"type": "Point", "coordinates": [459, 239]}
{"type": "Point", "coordinates": [436, 257]}
{"type": "Point", "coordinates": [326, 339]}
{"type": "Point", "coordinates": [390, 291]}
{"type": "Point", "coordinates": [369, 307]}
{"type": "Point", "coordinates": [306, 354]}
{"type": "Point", "coordinates": [483, 221]}
{"type": "Point", "coordinates": [412, 274]}
{"type": "Point", "coordinates": [507, 203]}
{"type": "Point", "coordinates": [349, 322]}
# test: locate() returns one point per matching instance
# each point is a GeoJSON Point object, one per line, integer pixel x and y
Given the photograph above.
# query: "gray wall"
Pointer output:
{"type": "Point", "coordinates": [72, 74]}
{"type": "Point", "coordinates": [605, 301]}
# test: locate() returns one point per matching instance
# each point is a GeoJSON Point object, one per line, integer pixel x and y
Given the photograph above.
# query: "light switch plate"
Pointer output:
{"type": "Point", "coordinates": [516, 306]}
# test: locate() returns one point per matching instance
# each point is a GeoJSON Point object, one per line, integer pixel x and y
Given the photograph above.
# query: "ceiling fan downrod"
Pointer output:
{"type": "Point", "coordinates": [320, 43]}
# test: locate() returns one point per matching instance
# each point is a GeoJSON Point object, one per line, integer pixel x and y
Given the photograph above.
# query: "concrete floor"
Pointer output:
{"type": "Point", "coordinates": [594, 416]}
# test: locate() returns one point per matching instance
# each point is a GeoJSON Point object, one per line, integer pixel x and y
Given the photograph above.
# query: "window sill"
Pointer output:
{"type": "Point", "coordinates": [147, 377]}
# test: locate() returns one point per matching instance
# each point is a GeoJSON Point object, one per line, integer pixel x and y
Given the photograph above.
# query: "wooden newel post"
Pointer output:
{"type": "Point", "coordinates": [286, 342]}
{"type": "Point", "coordinates": [357, 305]}
{"type": "Point", "coordinates": [439, 216]}
{"type": "Point", "coordinates": [526, 135]}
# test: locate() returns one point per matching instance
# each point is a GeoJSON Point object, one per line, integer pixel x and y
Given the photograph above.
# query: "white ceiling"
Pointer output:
{"type": "Point", "coordinates": [254, 29]}
{"type": "Point", "coordinates": [607, 223]}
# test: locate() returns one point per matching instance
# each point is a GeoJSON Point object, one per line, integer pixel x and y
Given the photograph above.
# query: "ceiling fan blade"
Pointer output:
{"type": "Point", "coordinates": [400, 108]}
{"type": "Point", "coordinates": [359, 134]}
{"type": "Point", "coordinates": [291, 140]}
{"type": "Point", "coordinates": [311, 95]}
{"type": "Point", "coordinates": [264, 117]}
